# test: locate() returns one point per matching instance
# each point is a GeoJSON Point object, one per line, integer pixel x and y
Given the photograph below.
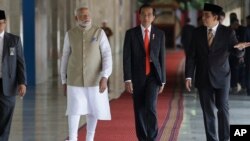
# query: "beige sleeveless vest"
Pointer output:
{"type": "Point", "coordinates": [84, 65]}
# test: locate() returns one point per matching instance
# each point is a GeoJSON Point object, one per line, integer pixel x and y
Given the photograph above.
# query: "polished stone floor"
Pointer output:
{"type": "Point", "coordinates": [192, 128]}
{"type": "Point", "coordinates": [40, 116]}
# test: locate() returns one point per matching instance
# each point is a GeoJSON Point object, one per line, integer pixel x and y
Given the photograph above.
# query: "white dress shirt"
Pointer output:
{"type": "Point", "coordinates": [1, 51]}
{"type": "Point", "coordinates": [105, 53]}
{"type": "Point", "coordinates": [143, 32]}
{"type": "Point", "coordinates": [214, 29]}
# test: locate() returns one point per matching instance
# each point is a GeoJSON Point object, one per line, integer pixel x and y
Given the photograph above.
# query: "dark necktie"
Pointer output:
{"type": "Point", "coordinates": [210, 37]}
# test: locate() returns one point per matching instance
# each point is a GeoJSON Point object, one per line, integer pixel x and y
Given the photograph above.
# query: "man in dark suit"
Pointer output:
{"type": "Point", "coordinates": [208, 54]}
{"type": "Point", "coordinates": [247, 55]}
{"type": "Point", "coordinates": [12, 76]}
{"type": "Point", "coordinates": [237, 64]}
{"type": "Point", "coordinates": [144, 71]}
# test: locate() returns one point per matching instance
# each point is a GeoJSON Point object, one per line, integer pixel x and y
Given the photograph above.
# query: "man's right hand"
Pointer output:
{"type": "Point", "coordinates": [129, 87]}
{"type": "Point", "coordinates": [188, 84]}
{"type": "Point", "coordinates": [65, 89]}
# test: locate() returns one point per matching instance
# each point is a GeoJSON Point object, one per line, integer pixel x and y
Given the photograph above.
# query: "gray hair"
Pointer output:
{"type": "Point", "coordinates": [80, 7]}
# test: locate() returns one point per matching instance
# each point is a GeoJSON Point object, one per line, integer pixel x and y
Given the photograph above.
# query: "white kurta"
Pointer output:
{"type": "Point", "coordinates": [88, 100]}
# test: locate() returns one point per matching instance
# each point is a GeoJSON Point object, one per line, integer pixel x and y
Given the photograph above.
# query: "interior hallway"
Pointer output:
{"type": "Point", "coordinates": [40, 116]}
{"type": "Point", "coordinates": [192, 128]}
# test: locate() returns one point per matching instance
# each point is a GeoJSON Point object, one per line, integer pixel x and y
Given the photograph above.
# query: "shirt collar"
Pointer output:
{"type": "Point", "coordinates": [214, 29]}
{"type": "Point", "coordinates": [2, 34]}
{"type": "Point", "coordinates": [143, 28]}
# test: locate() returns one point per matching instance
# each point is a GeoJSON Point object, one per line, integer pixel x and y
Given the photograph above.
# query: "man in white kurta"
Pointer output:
{"type": "Point", "coordinates": [85, 68]}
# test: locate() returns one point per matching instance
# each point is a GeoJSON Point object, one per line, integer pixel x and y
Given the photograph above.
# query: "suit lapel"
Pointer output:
{"type": "Point", "coordinates": [217, 35]}
{"type": "Point", "coordinates": [152, 41]}
{"type": "Point", "coordinates": [204, 39]}
{"type": "Point", "coordinates": [140, 37]}
{"type": "Point", "coordinates": [5, 46]}
{"type": "Point", "coordinates": [152, 37]}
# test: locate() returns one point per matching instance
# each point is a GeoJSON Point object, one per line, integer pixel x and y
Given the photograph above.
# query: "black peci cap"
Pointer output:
{"type": "Point", "coordinates": [2, 15]}
{"type": "Point", "coordinates": [213, 8]}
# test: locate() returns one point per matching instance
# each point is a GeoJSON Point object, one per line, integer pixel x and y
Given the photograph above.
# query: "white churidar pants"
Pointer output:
{"type": "Point", "coordinates": [86, 101]}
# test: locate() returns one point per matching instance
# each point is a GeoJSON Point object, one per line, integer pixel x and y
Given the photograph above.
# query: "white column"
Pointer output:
{"type": "Point", "coordinates": [42, 46]}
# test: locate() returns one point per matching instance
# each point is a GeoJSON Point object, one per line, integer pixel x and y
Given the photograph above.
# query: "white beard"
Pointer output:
{"type": "Point", "coordinates": [84, 23]}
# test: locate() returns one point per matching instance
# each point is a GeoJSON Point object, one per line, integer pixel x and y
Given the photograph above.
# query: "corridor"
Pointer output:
{"type": "Point", "coordinates": [41, 114]}
{"type": "Point", "coordinates": [42, 24]}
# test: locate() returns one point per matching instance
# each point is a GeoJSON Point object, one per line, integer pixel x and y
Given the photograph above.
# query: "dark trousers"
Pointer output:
{"type": "Point", "coordinates": [234, 67]}
{"type": "Point", "coordinates": [247, 77]}
{"type": "Point", "coordinates": [145, 103]}
{"type": "Point", "coordinates": [242, 75]}
{"type": "Point", "coordinates": [211, 99]}
{"type": "Point", "coordinates": [7, 104]}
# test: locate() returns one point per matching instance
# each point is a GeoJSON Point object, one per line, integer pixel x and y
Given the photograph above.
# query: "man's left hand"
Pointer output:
{"type": "Point", "coordinates": [241, 46]}
{"type": "Point", "coordinates": [21, 90]}
{"type": "Point", "coordinates": [103, 84]}
{"type": "Point", "coordinates": [161, 89]}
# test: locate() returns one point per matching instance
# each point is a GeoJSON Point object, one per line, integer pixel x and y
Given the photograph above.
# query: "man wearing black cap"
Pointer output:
{"type": "Point", "coordinates": [208, 54]}
{"type": "Point", "coordinates": [12, 76]}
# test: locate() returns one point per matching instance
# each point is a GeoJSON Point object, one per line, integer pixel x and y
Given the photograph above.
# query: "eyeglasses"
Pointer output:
{"type": "Point", "coordinates": [147, 15]}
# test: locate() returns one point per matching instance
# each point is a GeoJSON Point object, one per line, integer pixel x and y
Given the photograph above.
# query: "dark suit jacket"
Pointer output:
{"type": "Point", "coordinates": [247, 57]}
{"type": "Point", "coordinates": [13, 64]}
{"type": "Point", "coordinates": [211, 63]}
{"type": "Point", "coordinates": [247, 39]}
{"type": "Point", "coordinates": [134, 55]}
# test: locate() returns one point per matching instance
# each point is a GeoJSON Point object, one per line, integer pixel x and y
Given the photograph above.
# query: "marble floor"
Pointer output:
{"type": "Point", "coordinates": [40, 115]}
{"type": "Point", "coordinates": [192, 128]}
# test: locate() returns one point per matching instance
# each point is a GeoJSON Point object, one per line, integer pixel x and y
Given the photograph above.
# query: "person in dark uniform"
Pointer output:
{"type": "Point", "coordinates": [236, 63]}
{"type": "Point", "coordinates": [13, 78]}
{"type": "Point", "coordinates": [208, 56]}
{"type": "Point", "coordinates": [247, 56]}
